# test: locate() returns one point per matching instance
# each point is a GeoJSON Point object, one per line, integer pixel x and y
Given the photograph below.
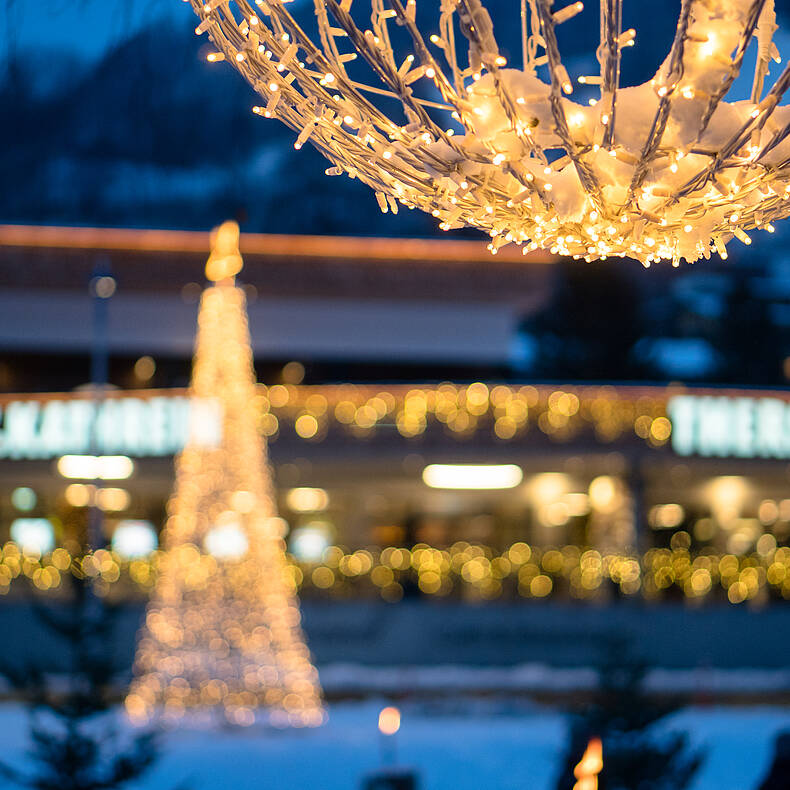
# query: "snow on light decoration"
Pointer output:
{"type": "Point", "coordinates": [222, 633]}
{"type": "Point", "coordinates": [662, 170]}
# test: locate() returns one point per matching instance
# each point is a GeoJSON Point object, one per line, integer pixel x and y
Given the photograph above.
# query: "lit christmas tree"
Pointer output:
{"type": "Point", "coordinates": [222, 633]}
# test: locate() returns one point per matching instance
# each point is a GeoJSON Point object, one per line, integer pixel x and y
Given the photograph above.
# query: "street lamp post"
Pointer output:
{"type": "Point", "coordinates": [102, 287]}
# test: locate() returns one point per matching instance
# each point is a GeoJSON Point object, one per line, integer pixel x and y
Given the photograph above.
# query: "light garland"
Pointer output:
{"type": "Point", "coordinates": [469, 571]}
{"type": "Point", "coordinates": [505, 412]}
{"type": "Point", "coordinates": [222, 632]}
{"type": "Point", "coordinates": [663, 170]}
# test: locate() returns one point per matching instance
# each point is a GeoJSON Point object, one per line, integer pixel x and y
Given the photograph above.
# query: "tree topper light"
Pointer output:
{"type": "Point", "coordinates": [660, 171]}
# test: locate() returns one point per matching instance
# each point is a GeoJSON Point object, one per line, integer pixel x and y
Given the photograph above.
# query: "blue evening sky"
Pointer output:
{"type": "Point", "coordinates": [87, 28]}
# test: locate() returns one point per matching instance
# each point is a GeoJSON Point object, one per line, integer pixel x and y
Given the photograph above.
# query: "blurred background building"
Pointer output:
{"type": "Point", "coordinates": [640, 417]}
{"type": "Point", "coordinates": [384, 363]}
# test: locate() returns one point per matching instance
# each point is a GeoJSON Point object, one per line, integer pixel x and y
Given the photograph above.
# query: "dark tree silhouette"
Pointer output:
{"type": "Point", "coordinates": [751, 342]}
{"type": "Point", "coordinates": [591, 325]}
{"type": "Point", "coordinates": [623, 715]}
{"type": "Point", "coordinates": [778, 776]}
{"type": "Point", "coordinates": [77, 739]}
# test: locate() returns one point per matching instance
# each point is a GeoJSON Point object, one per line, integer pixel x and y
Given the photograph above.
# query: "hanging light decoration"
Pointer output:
{"type": "Point", "coordinates": [663, 170]}
{"type": "Point", "coordinates": [222, 633]}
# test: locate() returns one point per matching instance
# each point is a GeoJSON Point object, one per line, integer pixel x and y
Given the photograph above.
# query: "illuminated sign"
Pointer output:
{"type": "Point", "coordinates": [158, 426]}
{"type": "Point", "coordinates": [719, 426]}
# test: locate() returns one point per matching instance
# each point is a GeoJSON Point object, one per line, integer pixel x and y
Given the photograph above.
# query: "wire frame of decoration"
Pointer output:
{"type": "Point", "coordinates": [662, 170]}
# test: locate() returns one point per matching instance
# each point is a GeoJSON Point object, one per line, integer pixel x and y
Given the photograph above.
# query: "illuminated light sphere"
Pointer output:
{"type": "Point", "coordinates": [306, 500]}
{"type": "Point", "coordinates": [603, 492]}
{"type": "Point", "coordinates": [79, 494]}
{"type": "Point", "coordinates": [24, 498]}
{"type": "Point", "coordinates": [227, 540]}
{"type": "Point", "coordinates": [389, 721]}
{"type": "Point", "coordinates": [222, 638]}
{"type": "Point", "coordinates": [133, 539]}
{"type": "Point", "coordinates": [113, 498]}
{"type": "Point", "coordinates": [309, 542]}
{"type": "Point", "coordinates": [33, 535]}
{"type": "Point", "coordinates": [436, 119]}
{"type": "Point", "coordinates": [144, 368]}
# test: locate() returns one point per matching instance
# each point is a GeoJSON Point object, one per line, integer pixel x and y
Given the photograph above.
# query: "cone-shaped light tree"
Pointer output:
{"type": "Point", "coordinates": [222, 632]}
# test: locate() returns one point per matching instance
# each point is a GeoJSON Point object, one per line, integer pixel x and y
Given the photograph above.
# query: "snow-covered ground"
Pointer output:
{"type": "Point", "coordinates": [339, 680]}
{"type": "Point", "coordinates": [468, 745]}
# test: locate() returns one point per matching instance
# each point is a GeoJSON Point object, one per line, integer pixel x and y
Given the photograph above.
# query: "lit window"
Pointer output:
{"type": "Point", "coordinates": [93, 467]}
{"type": "Point", "coordinates": [472, 476]}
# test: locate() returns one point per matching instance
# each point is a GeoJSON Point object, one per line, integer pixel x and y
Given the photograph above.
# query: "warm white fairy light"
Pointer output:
{"type": "Point", "coordinates": [222, 631]}
{"type": "Point", "coordinates": [526, 164]}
